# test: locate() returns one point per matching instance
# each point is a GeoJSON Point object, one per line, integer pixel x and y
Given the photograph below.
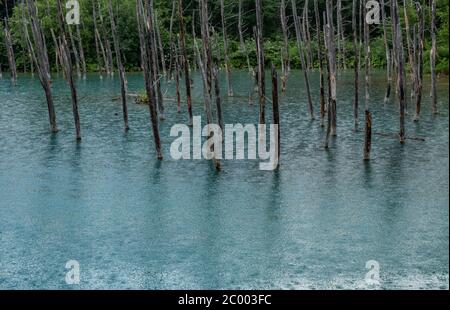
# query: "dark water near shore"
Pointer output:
{"type": "Point", "coordinates": [133, 222]}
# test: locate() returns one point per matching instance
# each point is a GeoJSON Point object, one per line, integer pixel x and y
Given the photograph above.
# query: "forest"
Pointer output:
{"type": "Point", "coordinates": [273, 33]}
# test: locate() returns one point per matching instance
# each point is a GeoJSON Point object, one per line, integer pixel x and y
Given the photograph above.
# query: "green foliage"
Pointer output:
{"type": "Point", "coordinates": [127, 29]}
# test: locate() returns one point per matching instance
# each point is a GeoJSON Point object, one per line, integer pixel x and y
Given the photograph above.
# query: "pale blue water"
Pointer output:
{"type": "Point", "coordinates": [133, 222]}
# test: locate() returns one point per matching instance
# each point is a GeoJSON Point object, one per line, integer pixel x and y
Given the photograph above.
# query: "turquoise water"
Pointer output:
{"type": "Point", "coordinates": [134, 222]}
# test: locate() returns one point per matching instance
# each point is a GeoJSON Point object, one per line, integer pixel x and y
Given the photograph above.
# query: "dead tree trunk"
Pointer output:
{"type": "Point", "coordinates": [99, 45]}
{"type": "Point", "coordinates": [218, 97]}
{"type": "Point", "coordinates": [187, 78]}
{"type": "Point", "coordinates": [107, 43]}
{"type": "Point", "coordinates": [398, 46]}
{"type": "Point", "coordinates": [285, 50]}
{"type": "Point", "coordinates": [75, 52]}
{"type": "Point", "coordinates": [241, 37]}
{"type": "Point", "coordinates": [341, 36]}
{"type": "Point", "coordinates": [356, 67]}
{"type": "Point", "coordinates": [411, 58]}
{"type": "Point", "coordinates": [308, 35]}
{"type": "Point", "coordinates": [331, 50]}
{"type": "Point", "coordinates": [9, 47]}
{"type": "Point", "coordinates": [225, 49]}
{"type": "Point", "coordinates": [160, 45]}
{"type": "Point", "coordinates": [148, 76]}
{"type": "Point", "coordinates": [302, 61]}
{"type": "Point", "coordinates": [118, 53]}
{"type": "Point", "coordinates": [172, 45]}
{"type": "Point", "coordinates": [276, 111]}
{"type": "Point", "coordinates": [66, 64]}
{"type": "Point", "coordinates": [320, 58]}
{"type": "Point", "coordinates": [80, 47]}
{"type": "Point", "coordinates": [41, 59]}
{"type": "Point", "coordinates": [177, 78]}
{"type": "Point", "coordinates": [419, 66]}
{"type": "Point", "coordinates": [205, 64]}
{"type": "Point", "coordinates": [261, 60]}
{"type": "Point", "coordinates": [154, 57]}
{"type": "Point", "coordinates": [368, 127]}
{"type": "Point", "coordinates": [388, 55]}
{"type": "Point", "coordinates": [433, 58]}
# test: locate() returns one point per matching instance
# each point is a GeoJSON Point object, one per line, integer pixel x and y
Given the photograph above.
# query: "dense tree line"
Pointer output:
{"type": "Point", "coordinates": [125, 14]}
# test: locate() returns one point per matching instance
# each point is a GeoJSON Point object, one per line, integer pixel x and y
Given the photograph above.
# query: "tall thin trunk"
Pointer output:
{"type": "Point", "coordinates": [98, 44]}
{"type": "Point", "coordinates": [419, 66]}
{"type": "Point", "coordinates": [75, 52]}
{"type": "Point", "coordinates": [148, 76]}
{"type": "Point", "coordinates": [241, 37]}
{"type": "Point", "coordinates": [171, 43]}
{"type": "Point", "coordinates": [368, 127]}
{"type": "Point", "coordinates": [331, 50]}
{"type": "Point", "coordinates": [261, 60]}
{"type": "Point", "coordinates": [321, 69]}
{"type": "Point", "coordinates": [66, 64]}
{"type": "Point", "coordinates": [433, 58]}
{"type": "Point", "coordinates": [154, 56]}
{"type": "Point", "coordinates": [80, 48]}
{"type": "Point", "coordinates": [302, 61]}
{"type": "Point", "coordinates": [411, 59]}
{"type": "Point", "coordinates": [9, 47]}
{"type": "Point", "coordinates": [285, 49]}
{"type": "Point", "coordinates": [187, 78]}
{"type": "Point", "coordinates": [205, 64]}
{"type": "Point", "coordinates": [356, 67]}
{"type": "Point", "coordinates": [276, 112]}
{"type": "Point", "coordinates": [308, 35]}
{"type": "Point", "coordinates": [388, 55]}
{"type": "Point", "coordinates": [118, 53]}
{"type": "Point", "coordinates": [160, 45]}
{"type": "Point", "coordinates": [398, 46]}
{"type": "Point", "coordinates": [225, 49]}
{"type": "Point", "coordinates": [40, 58]}
{"type": "Point", "coordinates": [218, 97]}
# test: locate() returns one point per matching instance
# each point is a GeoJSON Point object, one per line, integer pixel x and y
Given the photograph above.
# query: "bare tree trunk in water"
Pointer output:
{"type": "Point", "coordinates": [302, 61]}
{"type": "Point", "coordinates": [177, 78]}
{"type": "Point", "coordinates": [123, 94]}
{"type": "Point", "coordinates": [398, 47]}
{"type": "Point", "coordinates": [40, 58]}
{"type": "Point", "coordinates": [187, 78]}
{"type": "Point", "coordinates": [261, 60]}
{"type": "Point", "coordinates": [218, 97]}
{"type": "Point", "coordinates": [225, 49]}
{"type": "Point", "coordinates": [276, 112]}
{"type": "Point", "coordinates": [331, 49]}
{"type": "Point", "coordinates": [433, 58]}
{"type": "Point", "coordinates": [419, 67]}
{"type": "Point", "coordinates": [155, 59]}
{"type": "Point", "coordinates": [148, 76]}
{"type": "Point", "coordinates": [205, 64]}
{"type": "Point", "coordinates": [388, 55]}
{"type": "Point", "coordinates": [320, 58]}
{"type": "Point", "coordinates": [368, 127]}
{"type": "Point", "coordinates": [66, 64]}
{"type": "Point", "coordinates": [356, 67]}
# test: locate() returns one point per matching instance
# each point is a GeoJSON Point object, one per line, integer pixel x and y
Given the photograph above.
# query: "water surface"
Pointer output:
{"type": "Point", "coordinates": [134, 222]}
